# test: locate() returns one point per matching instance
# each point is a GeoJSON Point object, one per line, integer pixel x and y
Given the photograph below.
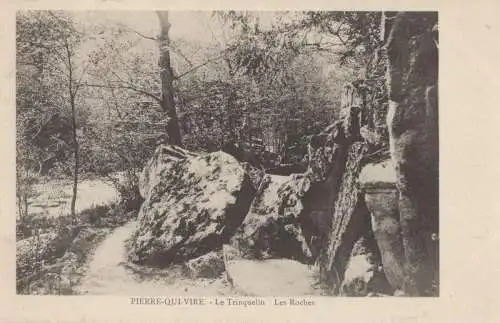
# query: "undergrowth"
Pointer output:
{"type": "Point", "coordinates": [52, 251]}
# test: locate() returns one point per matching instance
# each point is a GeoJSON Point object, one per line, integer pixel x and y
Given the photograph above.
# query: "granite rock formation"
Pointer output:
{"type": "Point", "coordinates": [193, 205]}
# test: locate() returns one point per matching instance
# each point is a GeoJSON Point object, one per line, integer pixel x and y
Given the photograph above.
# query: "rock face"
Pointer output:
{"type": "Point", "coordinates": [271, 227]}
{"type": "Point", "coordinates": [164, 158]}
{"type": "Point", "coordinates": [352, 110]}
{"type": "Point", "coordinates": [396, 200]}
{"type": "Point", "coordinates": [350, 220]}
{"type": "Point", "coordinates": [370, 222]}
{"type": "Point", "coordinates": [327, 157]}
{"type": "Point", "coordinates": [322, 150]}
{"type": "Point", "coordinates": [256, 174]}
{"type": "Point", "coordinates": [412, 66]}
{"type": "Point", "coordinates": [377, 181]}
{"type": "Point", "coordinates": [193, 205]}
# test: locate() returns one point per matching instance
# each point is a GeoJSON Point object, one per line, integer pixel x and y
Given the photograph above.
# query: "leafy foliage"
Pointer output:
{"type": "Point", "coordinates": [267, 84]}
{"type": "Point", "coordinates": [43, 120]}
{"type": "Point", "coordinates": [51, 251]}
{"type": "Point", "coordinates": [276, 81]}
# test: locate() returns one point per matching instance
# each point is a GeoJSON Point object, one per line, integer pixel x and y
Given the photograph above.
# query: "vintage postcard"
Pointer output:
{"type": "Point", "coordinates": [167, 162]}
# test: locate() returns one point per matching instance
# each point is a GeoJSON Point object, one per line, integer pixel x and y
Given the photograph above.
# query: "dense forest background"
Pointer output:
{"type": "Point", "coordinates": [97, 92]}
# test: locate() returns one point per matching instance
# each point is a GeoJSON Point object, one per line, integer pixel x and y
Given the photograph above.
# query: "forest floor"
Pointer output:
{"type": "Point", "coordinates": [109, 273]}
{"type": "Point", "coordinates": [103, 267]}
{"type": "Point", "coordinates": [106, 270]}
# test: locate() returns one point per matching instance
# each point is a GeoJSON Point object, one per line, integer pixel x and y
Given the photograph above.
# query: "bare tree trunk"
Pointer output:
{"type": "Point", "coordinates": [76, 162]}
{"type": "Point", "coordinates": [167, 76]}
{"type": "Point", "coordinates": [20, 207]}
{"type": "Point", "coordinates": [26, 188]}
{"type": "Point", "coordinates": [25, 200]}
{"type": "Point", "coordinates": [72, 97]}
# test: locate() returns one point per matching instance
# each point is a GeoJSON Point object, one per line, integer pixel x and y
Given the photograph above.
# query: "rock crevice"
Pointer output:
{"type": "Point", "coordinates": [365, 209]}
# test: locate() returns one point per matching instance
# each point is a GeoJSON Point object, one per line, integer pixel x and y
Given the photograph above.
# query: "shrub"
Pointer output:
{"type": "Point", "coordinates": [52, 250]}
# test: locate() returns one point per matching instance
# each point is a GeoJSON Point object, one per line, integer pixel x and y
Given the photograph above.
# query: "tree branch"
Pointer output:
{"type": "Point", "coordinates": [115, 101]}
{"type": "Point", "coordinates": [337, 33]}
{"type": "Point", "coordinates": [125, 87]}
{"type": "Point", "coordinates": [198, 66]}
{"type": "Point", "coordinates": [67, 24]}
{"type": "Point", "coordinates": [70, 73]}
{"type": "Point", "coordinates": [176, 50]}
{"type": "Point", "coordinates": [171, 48]}
{"type": "Point", "coordinates": [131, 86]}
{"type": "Point", "coordinates": [78, 83]}
{"type": "Point", "coordinates": [140, 34]}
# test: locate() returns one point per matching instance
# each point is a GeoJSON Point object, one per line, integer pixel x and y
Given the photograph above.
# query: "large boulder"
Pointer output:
{"type": "Point", "coordinates": [272, 228]}
{"type": "Point", "coordinates": [193, 205]}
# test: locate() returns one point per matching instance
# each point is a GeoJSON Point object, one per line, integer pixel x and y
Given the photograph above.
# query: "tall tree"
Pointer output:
{"type": "Point", "coordinates": [46, 91]}
{"type": "Point", "coordinates": [70, 40]}
{"type": "Point", "coordinates": [72, 92]}
{"type": "Point", "coordinates": [167, 77]}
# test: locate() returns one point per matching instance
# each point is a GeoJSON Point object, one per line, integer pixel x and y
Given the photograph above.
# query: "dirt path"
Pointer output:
{"type": "Point", "coordinates": [109, 273]}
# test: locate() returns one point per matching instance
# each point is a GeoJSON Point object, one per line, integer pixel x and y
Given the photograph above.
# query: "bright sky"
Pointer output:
{"type": "Point", "coordinates": [197, 26]}
{"type": "Point", "coordinates": [191, 26]}
{"type": "Point", "coordinates": [187, 25]}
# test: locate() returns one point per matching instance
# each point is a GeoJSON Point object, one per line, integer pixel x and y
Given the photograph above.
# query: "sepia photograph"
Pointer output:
{"type": "Point", "coordinates": [227, 153]}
